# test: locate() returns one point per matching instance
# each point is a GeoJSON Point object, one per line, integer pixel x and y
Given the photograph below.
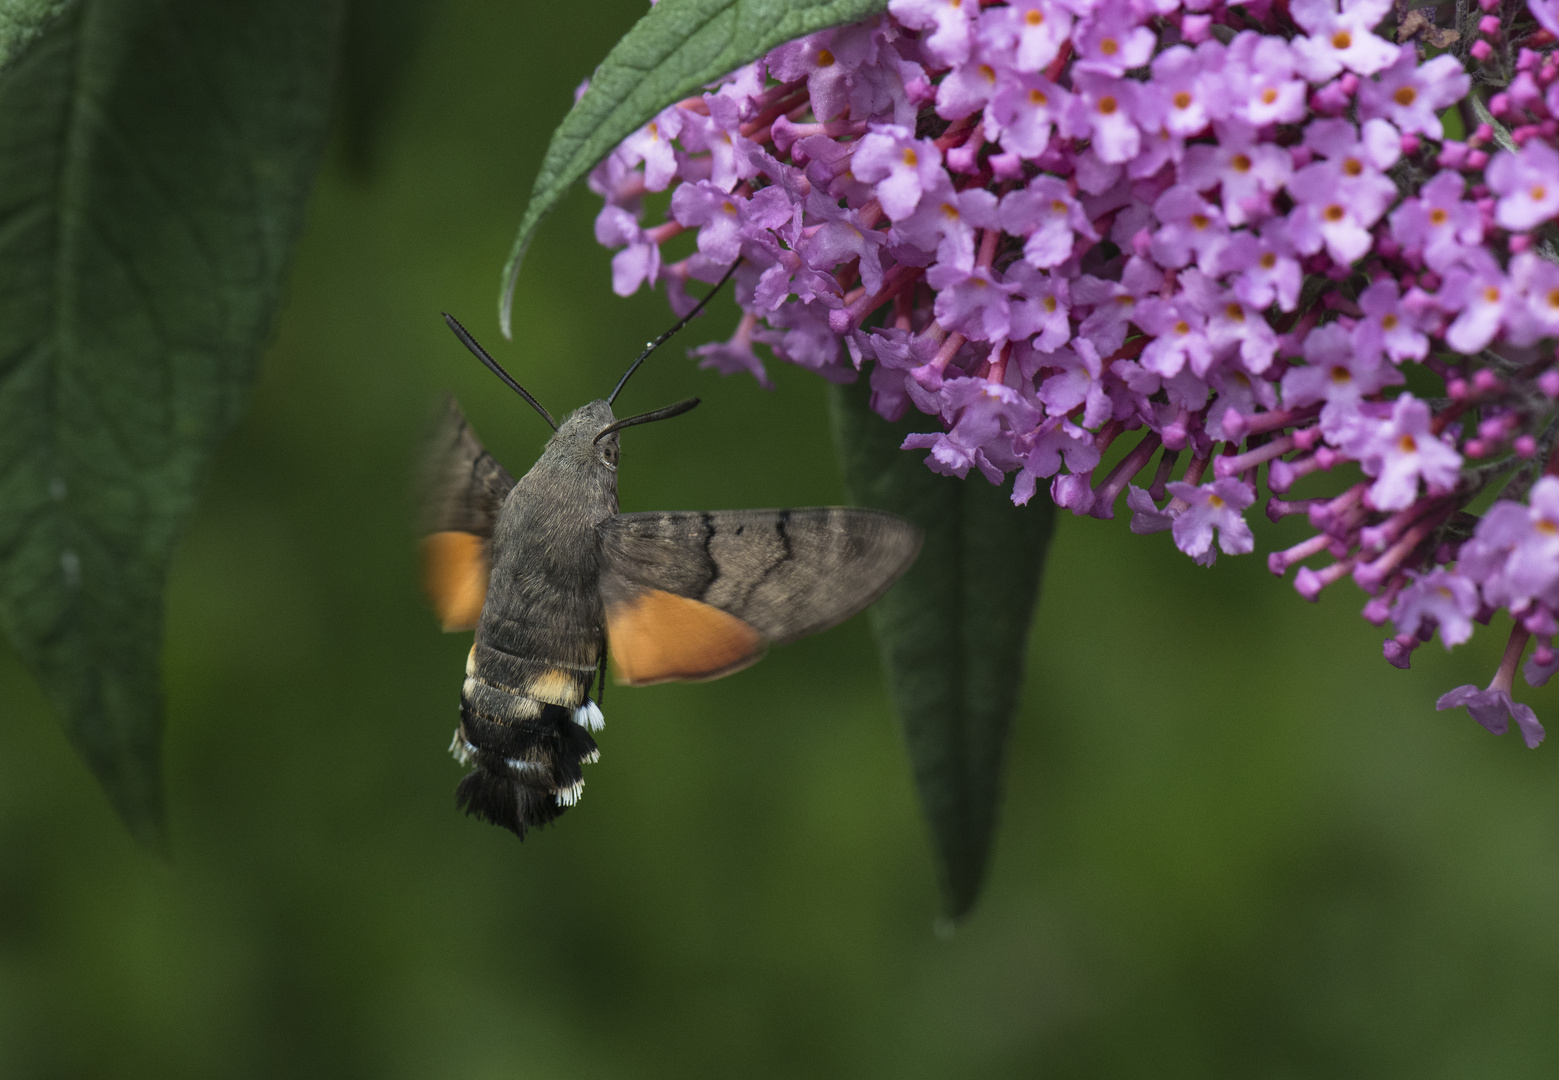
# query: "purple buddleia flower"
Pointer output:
{"type": "Point", "coordinates": [1536, 314]}
{"type": "Point", "coordinates": [1514, 553]}
{"type": "Point", "coordinates": [1388, 325]}
{"type": "Point", "coordinates": [1527, 183]}
{"type": "Point", "coordinates": [1340, 40]}
{"type": "Point", "coordinates": [943, 227]}
{"type": "Point", "coordinates": [1146, 517]}
{"type": "Point", "coordinates": [1179, 330]}
{"type": "Point", "coordinates": [1101, 110]}
{"type": "Point", "coordinates": [1438, 225]}
{"type": "Point", "coordinates": [1056, 441]}
{"type": "Point", "coordinates": [1190, 87]}
{"type": "Point", "coordinates": [950, 22]}
{"type": "Point", "coordinates": [900, 166]}
{"type": "Point", "coordinates": [1030, 31]}
{"type": "Point", "coordinates": [1024, 110]}
{"type": "Point", "coordinates": [1494, 709]}
{"type": "Point", "coordinates": [1213, 506]}
{"type": "Point", "coordinates": [1109, 41]}
{"type": "Point", "coordinates": [1188, 227]}
{"type": "Point", "coordinates": [1048, 217]}
{"type": "Point", "coordinates": [1262, 86]}
{"type": "Point", "coordinates": [1039, 311]}
{"type": "Point", "coordinates": [652, 144]}
{"type": "Point", "coordinates": [1247, 171]}
{"type": "Point", "coordinates": [1268, 272]}
{"type": "Point", "coordinates": [1440, 599]}
{"type": "Point", "coordinates": [1338, 374]}
{"type": "Point", "coordinates": [1411, 95]}
{"type": "Point", "coordinates": [972, 302]}
{"type": "Point", "coordinates": [1402, 451]}
{"type": "Point", "coordinates": [1478, 293]}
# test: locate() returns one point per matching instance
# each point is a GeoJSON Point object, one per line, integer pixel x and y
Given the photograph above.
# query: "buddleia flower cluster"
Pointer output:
{"type": "Point", "coordinates": [1224, 244]}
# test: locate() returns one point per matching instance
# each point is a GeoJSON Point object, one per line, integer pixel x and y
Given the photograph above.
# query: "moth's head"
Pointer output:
{"type": "Point", "coordinates": [585, 438]}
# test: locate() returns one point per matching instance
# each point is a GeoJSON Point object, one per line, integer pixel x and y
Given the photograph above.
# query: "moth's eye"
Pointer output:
{"type": "Point", "coordinates": [609, 453]}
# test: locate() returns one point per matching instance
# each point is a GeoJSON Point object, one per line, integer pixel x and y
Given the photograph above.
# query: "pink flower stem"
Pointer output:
{"type": "Point", "coordinates": [1110, 488]}
{"type": "Point", "coordinates": [1505, 677]}
{"type": "Point", "coordinates": [1371, 576]}
{"type": "Point", "coordinates": [1166, 467]}
{"type": "Point", "coordinates": [1279, 561]}
{"type": "Point", "coordinates": [1238, 463]}
{"type": "Point", "coordinates": [859, 306]}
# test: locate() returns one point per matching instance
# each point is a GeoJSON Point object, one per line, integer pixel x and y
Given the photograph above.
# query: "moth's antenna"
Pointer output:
{"type": "Point", "coordinates": [658, 342]}
{"type": "Point", "coordinates": [644, 418]}
{"type": "Point", "coordinates": [496, 368]}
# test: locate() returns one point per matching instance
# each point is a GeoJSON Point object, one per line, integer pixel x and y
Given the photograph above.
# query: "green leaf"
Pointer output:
{"type": "Point", "coordinates": [953, 632]}
{"type": "Point", "coordinates": [677, 47]}
{"type": "Point", "coordinates": [155, 159]}
{"type": "Point", "coordinates": [378, 42]}
{"type": "Point", "coordinates": [21, 21]}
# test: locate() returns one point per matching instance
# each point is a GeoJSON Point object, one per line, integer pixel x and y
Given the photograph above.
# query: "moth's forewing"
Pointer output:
{"type": "Point", "coordinates": [462, 489]}
{"type": "Point", "coordinates": [780, 574]}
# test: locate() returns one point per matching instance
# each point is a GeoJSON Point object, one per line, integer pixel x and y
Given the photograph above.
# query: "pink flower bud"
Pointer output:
{"type": "Point", "coordinates": [1548, 383]}
{"type": "Point", "coordinates": [1525, 446]}
{"type": "Point", "coordinates": [1488, 26]}
{"type": "Point", "coordinates": [1481, 51]}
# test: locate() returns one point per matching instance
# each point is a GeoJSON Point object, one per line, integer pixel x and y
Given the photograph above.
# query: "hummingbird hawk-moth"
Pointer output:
{"type": "Point", "coordinates": [551, 575]}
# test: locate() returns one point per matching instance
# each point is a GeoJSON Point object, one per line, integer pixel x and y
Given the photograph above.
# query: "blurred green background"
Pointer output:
{"type": "Point", "coordinates": [1236, 843]}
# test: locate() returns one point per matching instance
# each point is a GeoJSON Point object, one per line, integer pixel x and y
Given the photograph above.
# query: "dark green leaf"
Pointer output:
{"type": "Point", "coordinates": [23, 20]}
{"type": "Point", "coordinates": [676, 48]}
{"type": "Point", "coordinates": [378, 41]}
{"type": "Point", "coordinates": [953, 632]}
{"type": "Point", "coordinates": [155, 158]}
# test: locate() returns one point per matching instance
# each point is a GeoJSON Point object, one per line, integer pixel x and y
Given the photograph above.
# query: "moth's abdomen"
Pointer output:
{"type": "Point", "coordinates": [525, 726]}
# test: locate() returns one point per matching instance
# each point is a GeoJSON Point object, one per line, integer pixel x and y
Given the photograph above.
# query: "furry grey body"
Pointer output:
{"type": "Point", "coordinates": [542, 634]}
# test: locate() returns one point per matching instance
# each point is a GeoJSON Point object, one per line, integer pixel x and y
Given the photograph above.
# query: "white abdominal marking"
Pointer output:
{"type": "Point", "coordinates": [588, 716]}
{"type": "Point", "coordinates": [570, 795]}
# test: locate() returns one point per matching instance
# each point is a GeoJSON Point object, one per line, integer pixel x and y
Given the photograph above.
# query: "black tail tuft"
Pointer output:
{"type": "Point", "coordinates": [505, 801]}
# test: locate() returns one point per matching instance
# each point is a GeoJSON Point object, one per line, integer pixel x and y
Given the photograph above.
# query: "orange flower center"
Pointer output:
{"type": "Point", "coordinates": [1182, 100]}
{"type": "Point", "coordinates": [1109, 46]}
{"type": "Point", "coordinates": [1342, 39]}
{"type": "Point", "coordinates": [1107, 105]}
{"type": "Point", "coordinates": [825, 58]}
{"type": "Point", "coordinates": [1334, 213]}
{"type": "Point", "coordinates": [1240, 163]}
{"type": "Point", "coordinates": [909, 157]}
{"type": "Point", "coordinates": [1269, 95]}
{"type": "Point", "coordinates": [1408, 444]}
{"type": "Point", "coordinates": [1438, 216]}
{"type": "Point", "coordinates": [1405, 96]}
{"type": "Point", "coordinates": [1034, 17]}
{"type": "Point", "coordinates": [1037, 97]}
{"type": "Point", "coordinates": [1341, 374]}
{"type": "Point", "coordinates": [1352, 166]}
{"type": "Point", "coordinates": [1388, 322]}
